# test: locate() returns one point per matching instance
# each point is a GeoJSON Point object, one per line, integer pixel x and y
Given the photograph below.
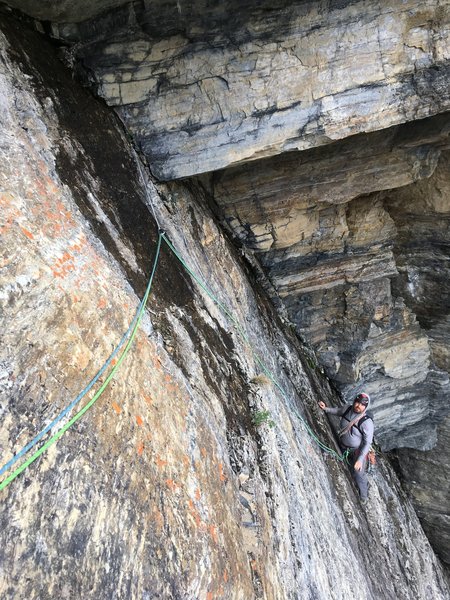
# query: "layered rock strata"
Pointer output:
{"type": "Point", "coordinates": [275, 204]}
{"type": "Point", "coordinates": [328, 251]}
{"type": "Point", "coordinates": [204, 86]}
{"type": "Point", "coordinates": [426, 476]}
{"type": "Point", "coordinates": [421, 213]}
{"type": "Point", "coordinates": [166, 489]}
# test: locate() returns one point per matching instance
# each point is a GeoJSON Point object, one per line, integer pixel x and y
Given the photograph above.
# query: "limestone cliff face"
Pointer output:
{"type": "Point", "coordinates": [421, 213]}
{"type": "Point", "coordinates": [167, 488]}
{"type": "Point", "coordinates": [206, 85]}
{"type": "Point", "coordinates": [329, 252]}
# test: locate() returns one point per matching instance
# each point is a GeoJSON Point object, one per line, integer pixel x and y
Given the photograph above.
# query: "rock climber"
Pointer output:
{"type": "Point", "coordinates": [355, 437]}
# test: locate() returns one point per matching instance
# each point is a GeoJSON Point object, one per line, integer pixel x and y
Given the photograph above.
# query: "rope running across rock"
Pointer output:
{"type": "Point", "coordinates": [131, 332]}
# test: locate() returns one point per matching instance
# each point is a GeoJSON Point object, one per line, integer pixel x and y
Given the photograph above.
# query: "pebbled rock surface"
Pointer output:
{"type": "Point", "coordinates": [166, 488]}
{"type": "Point", "coordinates": [206, 85]}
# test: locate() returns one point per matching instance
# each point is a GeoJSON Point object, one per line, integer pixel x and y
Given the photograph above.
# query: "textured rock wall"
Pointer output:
{"type": "Point", "coordinates": [422, 216]}
{"type": "Point", "coordinates": [426, 476]}
{"type": "Point", "coordinates": [66, 10]}
{"type": "Point", "coordinates": [165, 489]}
{"type": "Point", "coordinates": [274, 204]}
{"type": "Point", "coordinates": [328, 251]}
{"type": "Point", "coordinates": [365, 278]}
{"type": "Point", "coordinates": [206, 85]}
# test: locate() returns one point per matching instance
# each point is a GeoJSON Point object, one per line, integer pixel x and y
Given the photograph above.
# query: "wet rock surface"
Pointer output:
{"type": "Point", "coordinates": [166, 488]}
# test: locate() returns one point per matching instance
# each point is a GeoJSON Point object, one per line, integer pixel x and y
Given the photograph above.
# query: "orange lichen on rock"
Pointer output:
{"type": "Point", "coordinates": [147, 398]}
{"type": "Point", "coordinates": [173, 485]}
{"type": "Point", "coordinates": [101, 303]}
{"type": "Point", "coordinates": [222, 475]}
{"type": "Point", "coordinates": [194, 513]}
{"type": "Point", "coordinates": [63, 265]}
{"type": "Point", "coordinates": [27, 233]}
{"type": "Point", "coordinates": [160, 463]}
{"type": "Point", "coordinates": [213, 533]}
{"type": "Point", "coordinates": [116, 407]}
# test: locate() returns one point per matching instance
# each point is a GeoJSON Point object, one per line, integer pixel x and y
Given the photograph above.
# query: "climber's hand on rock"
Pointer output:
{"type": "Point", "coordinates": [358, 465]}
{"type": "Point", "coordinates": [322, 405]}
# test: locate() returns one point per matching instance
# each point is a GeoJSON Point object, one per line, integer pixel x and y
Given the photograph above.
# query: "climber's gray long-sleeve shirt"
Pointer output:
{"type": "Point", "coordinates": [354, 439]}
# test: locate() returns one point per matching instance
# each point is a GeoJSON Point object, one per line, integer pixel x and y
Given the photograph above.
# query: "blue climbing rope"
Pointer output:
{"type": "Point", "coordinates": [258, 359]}
{"type": "Point", "coordinates": [132, 331]}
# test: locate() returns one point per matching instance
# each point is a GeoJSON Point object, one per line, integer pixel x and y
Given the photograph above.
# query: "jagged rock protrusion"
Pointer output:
{"type": "Point", "coordinates": [206, 85]}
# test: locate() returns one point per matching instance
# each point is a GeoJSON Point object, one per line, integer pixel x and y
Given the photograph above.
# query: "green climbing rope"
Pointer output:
{"type": "Point", "coordinates": [97, 395]}
{"type": "Point", "coordinates": [52, 440]}
{"type": "Point", "coordinates": [245, 337]}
